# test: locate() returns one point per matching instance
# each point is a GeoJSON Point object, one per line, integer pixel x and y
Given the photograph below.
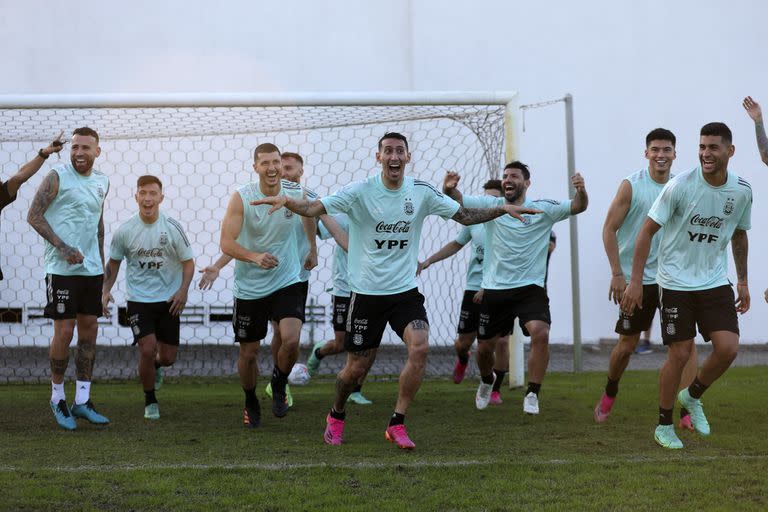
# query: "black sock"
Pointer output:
{"type": "Point", "coordinates": [499, 379]}
{"type": "Point", "coordinates": [279, 379]}
{"type": "Point", "coordinates": [697, 388]}
{"type": "Point", "coordinates": [157, 365]}
{"type": "Point", "coordinates": [464, 358]}
{"type": "Point", "coordinates": [487, 379]}
{"type": "Point", "coordinates": [358, 388]}
{"type": "Point", "coordinates": [684, 412]}
{"type": "Point", "coordinates": [612, 388]}
{"type": "Point", "coordinates": [397, 419]}
{"type": "Point", "coordinates": [317, 353]}
{"type": "Point", "coordinates": [665, 416]}
{"type": "Point", "coordinates": [338, 415]}
{"type": "Point", "coordinates": [149, 397]}
{"type": "Point", "coordinates": [250, 397]}
{"type": "Point", "coordinates": [534, 388]}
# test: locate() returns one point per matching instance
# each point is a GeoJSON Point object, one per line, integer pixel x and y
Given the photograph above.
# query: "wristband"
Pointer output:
{"type": "Point", "coordinates": [42, 155]}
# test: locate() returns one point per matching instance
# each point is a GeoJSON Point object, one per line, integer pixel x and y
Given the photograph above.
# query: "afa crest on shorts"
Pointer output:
{"type": "Point", "coordinates": [408, 207]}
{"type": "Point", "coordinates": [728, 208]}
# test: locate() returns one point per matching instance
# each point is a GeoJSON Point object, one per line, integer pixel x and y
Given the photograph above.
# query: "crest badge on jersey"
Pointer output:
{"type": "Point", "coordinates": [163, 238]}
{"type": "Point", "coordinates": [408, 207]}
{"type": "Point", "coordinates": [288, 213]}
{"type": "Point", "coordinates": [100, 192]}
{"type": "Point", "coordinates": [728, 208]}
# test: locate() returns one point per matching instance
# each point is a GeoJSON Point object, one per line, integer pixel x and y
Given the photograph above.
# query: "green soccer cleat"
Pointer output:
{"type": "Point", "coordinates": [288, 396]}
{"type": "Point", "coordinates": [693, 405]}
{"type": "Point", "coordinates": [152, 412]}
{"type": "Point", "coordinates": [666, 438]}
{"type": "Point", "coordinates": [358, 398]}
{"type": "Point", "coordinates": [159, 374]}
{"type": "Point", "coordinates": [313, 363]}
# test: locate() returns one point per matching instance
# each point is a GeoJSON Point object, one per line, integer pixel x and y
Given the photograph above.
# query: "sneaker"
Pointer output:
{"type": "Point", "coordinates": [603, 408]}
{"type": "Point", "coordinates": [159, 374]}
{"type": "Point", "coordinates": [644, 349]}
{"type": "Point", "coordinates": [152, 412]}
{"type": "Point", "coordinates": [694, 407]}
{"type": "Point", "coordinates": [313, 363]}
{"type": "Point", "coordinates": [358, 398]}
{"type": "Point", "coordinates": [288, 396]}
{"type": "Point", "coordinates": [665, 437]}
{"type": "Point", "coordinates": [63, 416]}
{"type": "Point", "coordinates": [334, 431]}
{"type": "Point", "coordinates": [279, 404]}
{"type": "Point", "coordinates": [531, 403]}
{"type": "Point", "coordinates": [496, 398]}
{"type": "Point", "coordinates": [685, 423]}
{"type": "Point", "coordinates": [459, 370]}
{"type": "Point", "coordinates": [483, 395]}
{"type": "Point", "coordinates": [397, 434]}
{"type": "Point", "coordinates": [252, 416]}
{"type": "Point", "coordinates": [88, 411]}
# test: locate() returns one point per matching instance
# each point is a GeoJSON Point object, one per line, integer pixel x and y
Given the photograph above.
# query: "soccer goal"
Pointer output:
{"type": "Point", "coordinates": [201, 148]}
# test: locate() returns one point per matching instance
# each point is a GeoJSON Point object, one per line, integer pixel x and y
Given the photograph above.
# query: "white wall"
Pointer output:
{"type": "Point", "coordinates": [631, 66]}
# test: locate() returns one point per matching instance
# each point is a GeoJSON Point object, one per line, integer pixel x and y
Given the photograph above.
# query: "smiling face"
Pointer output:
{"type": "Point", "coordinates": [83, 153]}
{"type": "Point", "coordinates": [269, 167]}
{"type": "Point", "coordinates": [393, 156]}
{"type": "Point", "coordinates": [660, 155]}
{"type": "Point", "coordinates": [714, 154]}
{"type": "Point", "coordinates": [514, 184]}
{"type": "Point", "coordinates": [149, 197]}
{"type": "Point", "coordinates": [292, 169]}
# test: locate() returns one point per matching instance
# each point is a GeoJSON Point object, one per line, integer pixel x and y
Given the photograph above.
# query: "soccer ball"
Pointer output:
{"type": "Point", "coordinates": [299, 375]}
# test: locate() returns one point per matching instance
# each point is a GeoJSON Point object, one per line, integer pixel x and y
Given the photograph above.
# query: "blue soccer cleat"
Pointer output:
{"type": "Point", "coordinates": [63, 415]}
{"type": "Point", "coordinates": [88, 412]}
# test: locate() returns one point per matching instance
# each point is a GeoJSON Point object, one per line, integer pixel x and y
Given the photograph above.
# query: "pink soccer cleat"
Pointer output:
{"type": "Point", "coordinates": [334, 431]}
{"type": "Point", "coordinates": [686, 423]}
{"type": "Point", "coordinates": [397, 434]}
{"type": "Point", "coordinates": [459, 370]}
{"type": "Point", "coordinates": [496, 398]}
{"type": "Point", "coordinates": [603, 408]}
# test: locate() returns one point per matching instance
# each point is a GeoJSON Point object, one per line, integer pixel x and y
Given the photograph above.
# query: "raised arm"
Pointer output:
{"type": "Point", "coordinates": [230, 230]}
{"type": "Point", "coordinates": [44, 196]}
{"type": "Point", "coordinates": [469, 216]}
{"type": "Point", "coordinates": [450, 186]}
{"type": "Point", "coordinates": [755, 112]}
{"type": "Point", "coordinates": [617, 212]}
{"type": "Point", "coordinates": [30, 168]}
{"type": "Point", "coordinates": [633, 293]}
{"type": "Point", "coordinates": [444, 252]}
{"type": "Point", "coordinates": [336, 231]}
{"type": "Point", "coordinates": [580, 199]}
{"type": "Point", "coordinates": [303, 207]}
{"type": "Point", "coordinates": [740, 248]}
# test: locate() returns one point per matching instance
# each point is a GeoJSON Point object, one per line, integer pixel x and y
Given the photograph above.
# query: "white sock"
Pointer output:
{"type": "Point", "coordinates": [57, 392]}
{"type": "Point", "coordinates": [82, 392]}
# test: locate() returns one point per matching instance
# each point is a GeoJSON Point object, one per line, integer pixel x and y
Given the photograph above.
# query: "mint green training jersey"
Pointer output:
{"type": "Point", "coordinates": [385, 230]}
{"type": "Point", "coordinates": [475, 233]}
{"type": "Point", "coordinates": [340, 267]}
{"type": "Point", "coordinates": [301, 240]}
{"type": "Point", "coordinates": [74, 216]}
{"type": "Point", "coordinates": [153, 253]}
{"type": "Point", "coordinates": [516, 252]}
{"type": "Point", "coordinates": [644, 192]}
{"type": "Point", "coordinates": [699, 221]}
{"type": "Point", "coordinates": [275, 234]}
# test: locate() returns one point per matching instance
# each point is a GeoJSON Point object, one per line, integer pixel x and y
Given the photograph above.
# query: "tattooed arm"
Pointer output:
{"type": "Point", "coordinates": [44, 196]}
{"type": "Point", "coordinates": [740, 248]}
{"type": "Point", "coordinates": [755, 112]}
{"type": "Point", "coordinates": [468, 216]}
{"type": "Point", "coordinates": [303, 207]}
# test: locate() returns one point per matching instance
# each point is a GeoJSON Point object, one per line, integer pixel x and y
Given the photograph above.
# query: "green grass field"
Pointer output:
{"type": "Point", "coordinates": [200, 457]}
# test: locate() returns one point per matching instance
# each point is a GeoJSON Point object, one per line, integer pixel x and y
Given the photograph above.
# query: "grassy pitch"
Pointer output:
{"type": "Point", "coordinates": [200, 457]}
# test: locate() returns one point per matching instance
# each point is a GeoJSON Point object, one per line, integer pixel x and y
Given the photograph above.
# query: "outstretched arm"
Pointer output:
{"type": "Point", "coordinates": [468, 216]}
{"type": "Point", "coordinates": [211, 272]}
{"type": "Point", "coordinates": [617, 212]}
{"type": "Point", "coordinates": [740, 248]}
{"type": "Point", "coordinates": [44, 196]}
{"type": "Point", "coordinates": [336, 231]}
{"type": "Point", "coordinates": [303, 207]}
{"type": "Point", "coordinates": [444, 252]}
{"type": "Point", "coordinates": [755, 112]}
{"type": "Point", "coordinates": [580, 199]}
{"type": "Point", "coordinates": [633, 293]}
{"type": "Point", "coordinates": [450, 186]}
{"type": "Point", "coordinates": [30, 168]}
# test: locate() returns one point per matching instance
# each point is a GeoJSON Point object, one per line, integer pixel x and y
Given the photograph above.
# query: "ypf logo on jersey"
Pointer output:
{"type": "Point", "coordinates": [408, 207]}
{"type": "Point", "coordinates": [728, 208]}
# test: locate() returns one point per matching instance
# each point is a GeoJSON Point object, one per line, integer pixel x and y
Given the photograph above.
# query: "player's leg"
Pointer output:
{"type": "Point", "coordinates": [287, 307]}
{"type": "Point", "coordinates": [359, 362]}
{"type": "Point", "coordinates": [167, 329]}
{"type": "Point", "coordinates": [467, 331]}
{"type": "Point", "coordinates": [60, 308]}
{"type": "Point", "coordinates": [485, 361]}
{"type": "Point", "coordinates": [500, 368]}
{"type": "Point", "coordinates": [689, 374]}
{"type": "Point", "coordinates": [249, 321]}
{"type": "Point", "coordinates": [336, 345]}
{"type": "Point", "coordinates": [87, 329]}
{"type": "Point", "coordinates": [147, 355]}
{"type": "Point", "coordinates": [538, 360]}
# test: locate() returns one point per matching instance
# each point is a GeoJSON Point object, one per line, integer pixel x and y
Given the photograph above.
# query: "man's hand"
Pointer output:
{"type": "Point", "coordinates": [310, 261]}
{"type": "Point", "coordinates": [578, 182]}
{"type": "Point", "coordinates": [55, 146]}
{"type": "Point", "coordinates": [265, 260]}
{"type": "Point", "coordinates": [423, 265]}
{"type": "Point", "coordinates": [478, 298]}
{"type": "Point", "coordinates": [210, 274]}
{"type": "Point", "coordinates": [742, 298]}
{"type": "Point", "coordinates": [451, 181]}
{"type": "Point", "coordinates": [753, 108]}
{"type": "Point", "coordinates": [518, 211]}
{"type": "Point", "coordinates": [178, 300]}
{"type": "Point", "coordinates": [632, 298]}
{"type": "Point", "coordinates": [618, 284]}
{"type": "Point", "coordinates": [70, 255]}
{"type": "Point", "coordinates": [106, 298]}
{"type": "Point", "coordinates": [277, 202]}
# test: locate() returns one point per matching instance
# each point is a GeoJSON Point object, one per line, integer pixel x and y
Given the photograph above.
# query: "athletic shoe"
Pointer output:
{"type": "Point", "coordinates": [358, 398]}
{"type": "Point", "coordinates": [252, 416]}
{"type": "Point", "coordinates": [63, 416]}
{"type": "Point", "coordinates": [693, 406]}
{"type": "Point", "coordinates": [483, 395]}
{"type": "Point", "coordinates": [334, 431]}
{"type": "Point", "coordinates": [459, 370]}
{"type": "Point", "coordinates": [397, 434]}
{"type": "Point", "coordinates": [685, 423]}
{"type": "Point", "coordinates": [531, 403]}
{"type": "Point", "coordinates": [159, 374]}
{"type": "Point", "coordinates": [152, 412]}
{"type": "Point", "coordinates": [665, 437]}
{"type": "Point", "coordinates": [279, 404]}
{"type": "Point", "coordinates": [603, 408]}
{"type": "Point", "coordinates": [496, 398]}
{"type": "Point", "coordinates": [313, 363]}
{"type": "Point", "coordinates": [288, 396]}
{"type": "Point", "coordinates": [643, 349]}
{"type": "Point", "coordinates": [88, 411]}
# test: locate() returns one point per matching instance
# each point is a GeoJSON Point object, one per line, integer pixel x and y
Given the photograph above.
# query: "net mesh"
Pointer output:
{"type": "Point", "coordinates": [202, 155]}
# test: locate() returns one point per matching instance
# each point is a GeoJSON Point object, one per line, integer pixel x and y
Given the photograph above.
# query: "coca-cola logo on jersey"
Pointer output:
{"type": "Point", "coordinates": [401, 226]}
{"type": "Point", "coordinates": [154, 252]}
{"type": "Point", "coordinates": [708, 222]}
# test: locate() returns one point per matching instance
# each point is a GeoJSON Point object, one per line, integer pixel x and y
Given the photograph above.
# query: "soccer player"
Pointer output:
{"type": "Point", "coordinates": [10, 187]}
{"type": "Point", "coordinates": [626, 215]}
{"type": "Point", "coordinates": [160, 270]}
{"type": "Point", "coordinates": [513, 275]}
{"type": "Point", "coordinates": [701, 211]}
{"type": "Point", "coordinates": [266, 284]}
{"type": "Point", "coordinates": [340, 294]}
{"type": "Point", "coordinates": [756, 114]}
{"type": "Point", "coordinates": [67, 211]}
{"type": "Point", "coordinates": [386, 212]}
{"type": "Point", "coordinates": [473, 295]}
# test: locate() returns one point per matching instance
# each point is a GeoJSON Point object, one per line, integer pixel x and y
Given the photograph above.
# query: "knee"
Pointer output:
{"type": "Point", "coordinates": [486, 346]}
{"type": "Point", "coordinates": [418, 352]}
{"type": "Point", "coordinates": [679, 354]}
{"type": "Point", "coordinates": [249, 350]}
{"type": "Point", "coordinates": [166, 359]}
{"type": "Point", "coordinates": [147, 350]}
{"type": "Point", "coordinates": [727, 353]}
